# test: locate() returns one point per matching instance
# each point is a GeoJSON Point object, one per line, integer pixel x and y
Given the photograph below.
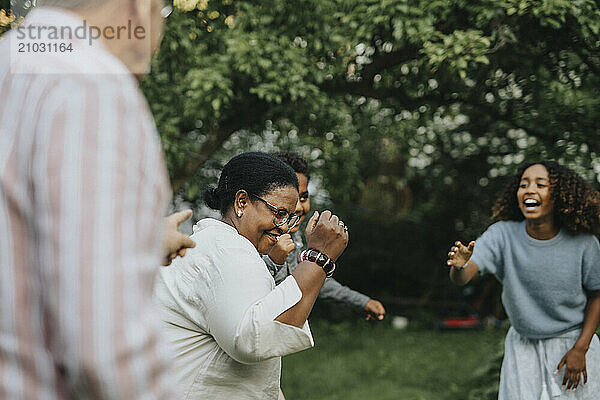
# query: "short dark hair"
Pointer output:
{"type": "Point", "coordinates": [256, 173]}
{"type": "Point", "coordinates": [576, 203]}
{"type": "Point", "coordinates": [294, 160]}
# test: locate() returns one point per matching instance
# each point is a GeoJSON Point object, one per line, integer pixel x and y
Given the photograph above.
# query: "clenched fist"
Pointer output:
{"type": "Point", "coordinates": [282, 249]}
{"type": "Point", "coordinates": [375, 310]}
{"type": "Point", "coordinates": [327, 234]}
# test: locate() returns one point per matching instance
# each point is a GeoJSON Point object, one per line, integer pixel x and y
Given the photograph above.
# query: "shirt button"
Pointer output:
{"type": "Point", "coordinates": [272, 272]}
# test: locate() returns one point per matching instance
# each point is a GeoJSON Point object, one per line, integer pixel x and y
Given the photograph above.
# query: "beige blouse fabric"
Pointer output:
{"type": "Point", "coordinates": [219, 306]}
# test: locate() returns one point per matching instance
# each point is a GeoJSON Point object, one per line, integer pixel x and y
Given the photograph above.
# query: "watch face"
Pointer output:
{"type": "Point", "coordinates": [322, 259]}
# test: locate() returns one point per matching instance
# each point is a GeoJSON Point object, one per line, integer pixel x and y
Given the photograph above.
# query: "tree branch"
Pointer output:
{"type": "Point", "coordinates": [364, 88]}
{"type": "Point", "coordinates": [383, 61]}
{"type": "Point", "coordinates": [215, 140]}
{"type": "Point", "coordinates": [216, 137]}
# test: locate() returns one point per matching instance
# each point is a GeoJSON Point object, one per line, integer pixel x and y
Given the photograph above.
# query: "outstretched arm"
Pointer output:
{"type": "Point", "coordinates": [334, 291]}
{"type": "Point", "coordinates": [574, 359]}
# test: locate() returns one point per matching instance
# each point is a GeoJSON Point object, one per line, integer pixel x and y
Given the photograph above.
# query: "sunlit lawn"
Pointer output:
{"type": "Point", "coordinates": [375, 362]}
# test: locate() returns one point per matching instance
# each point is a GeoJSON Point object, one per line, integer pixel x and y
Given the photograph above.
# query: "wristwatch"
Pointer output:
{"type": "Point", "coordinates": [322, 260]}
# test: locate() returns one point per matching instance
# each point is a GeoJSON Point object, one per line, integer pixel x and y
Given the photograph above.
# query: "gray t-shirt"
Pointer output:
{"type": "Point", "coordinates": [332, 291]}
{"type": "Point", "coordinates": [543, 280]}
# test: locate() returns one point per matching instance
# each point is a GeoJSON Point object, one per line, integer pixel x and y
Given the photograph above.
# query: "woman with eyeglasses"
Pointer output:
{"type": "Point", "coordinates": [227, 322]}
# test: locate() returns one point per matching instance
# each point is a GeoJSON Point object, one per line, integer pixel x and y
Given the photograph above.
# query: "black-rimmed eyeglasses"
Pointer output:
{"type": "Point", "coordinates": [281, 216]}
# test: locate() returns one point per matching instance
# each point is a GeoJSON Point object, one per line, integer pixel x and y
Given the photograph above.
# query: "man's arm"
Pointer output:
{"type": "Point", "coordinates": [101, 190]}
{"type": "Point", "coordinates": [334, 291]}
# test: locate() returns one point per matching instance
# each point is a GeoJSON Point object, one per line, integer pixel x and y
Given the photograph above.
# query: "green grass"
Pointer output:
{"type": "Point", "coordinates": [353, 361]}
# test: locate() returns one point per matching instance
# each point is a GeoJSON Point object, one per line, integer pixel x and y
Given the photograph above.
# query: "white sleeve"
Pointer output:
{"type": "Point", "coordinates": [243, 305]}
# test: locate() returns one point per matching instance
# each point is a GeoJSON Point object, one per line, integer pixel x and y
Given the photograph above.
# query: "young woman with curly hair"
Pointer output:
{"type": "Point", "coordinates": [544, 250]}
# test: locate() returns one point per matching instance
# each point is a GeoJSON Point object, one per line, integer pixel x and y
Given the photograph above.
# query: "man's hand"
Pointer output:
{"type": "Point", "coordinates": [282, 249]}
{"type": "Point", "coordinates": [174, 242]}
{"type": "Point", "coordinates": [375, 310]}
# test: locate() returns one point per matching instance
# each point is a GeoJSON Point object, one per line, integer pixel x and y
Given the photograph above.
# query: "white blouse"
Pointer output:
{"type": "Point", "coordinates": [220, 304]}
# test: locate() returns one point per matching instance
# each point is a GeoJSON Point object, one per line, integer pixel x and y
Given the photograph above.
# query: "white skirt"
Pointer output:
{"type": "Point", "coordinates": [528, 368]}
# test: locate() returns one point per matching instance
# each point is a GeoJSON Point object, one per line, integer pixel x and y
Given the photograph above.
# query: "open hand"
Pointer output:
{"type": "Point", "coordinates": [574, 363]}
{"type": "Point", "coordinates": [460, 254]}
{"type": "Point", "coordinates": [174, 242]}
{"type": "Point", "coordinates": [282, 249]}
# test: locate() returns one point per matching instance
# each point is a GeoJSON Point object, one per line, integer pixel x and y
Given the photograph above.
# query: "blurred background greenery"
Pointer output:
{"type": "Point", "coordinates": [411, 114]}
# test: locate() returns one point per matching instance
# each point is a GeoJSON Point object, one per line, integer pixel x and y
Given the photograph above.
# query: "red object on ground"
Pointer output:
{"type": "Point", "coordinates": [465, 322]}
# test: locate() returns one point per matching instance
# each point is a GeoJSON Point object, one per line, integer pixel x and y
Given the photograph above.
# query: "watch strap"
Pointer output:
{"type": "Point", "coordinates": [321, 259]}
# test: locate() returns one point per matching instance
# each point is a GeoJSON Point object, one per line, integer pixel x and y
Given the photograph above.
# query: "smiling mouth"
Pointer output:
{"type": "Point", "coordinates": [272, 236]}
{"type": "Point", "coordinates": [531, 204]}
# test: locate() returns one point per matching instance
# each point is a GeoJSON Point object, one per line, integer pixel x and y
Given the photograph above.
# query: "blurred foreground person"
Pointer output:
{"type": "Point", "coordinates": [227, 321]}
{"type": "Point", "coordinates": [544, 252]}
{"type": "Point", "coordinates": [83, 188]}
{"type": "Point", "coordinates": [283, 259]}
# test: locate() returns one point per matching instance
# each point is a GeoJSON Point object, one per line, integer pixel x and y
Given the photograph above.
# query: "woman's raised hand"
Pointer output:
{"type": "Point", "coordinates": [327, 234]}
{"type": "Point", "coordinates": [460, 254]}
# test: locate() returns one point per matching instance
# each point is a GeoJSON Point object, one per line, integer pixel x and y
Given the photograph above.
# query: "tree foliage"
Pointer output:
{"type": "Point", "coordinates": [6, 16]}
{"type": "Point", "coordinates": [411, 112]}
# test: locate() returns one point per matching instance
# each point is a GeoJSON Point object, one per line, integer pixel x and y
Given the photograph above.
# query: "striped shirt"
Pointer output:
{"type": "Point", "coordinates": [83, 189]}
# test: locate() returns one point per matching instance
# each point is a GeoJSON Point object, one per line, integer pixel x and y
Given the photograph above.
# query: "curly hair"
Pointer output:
{"type": "Point", "coordinates": [576, 203]}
